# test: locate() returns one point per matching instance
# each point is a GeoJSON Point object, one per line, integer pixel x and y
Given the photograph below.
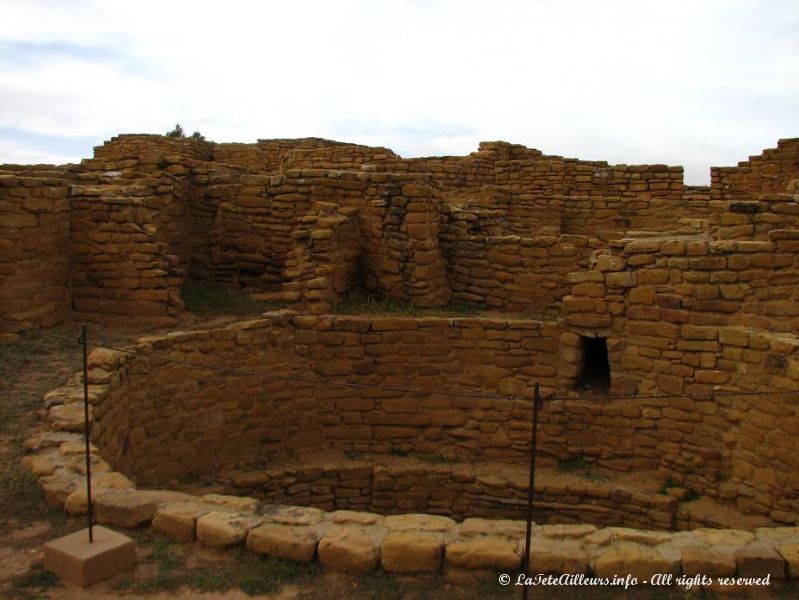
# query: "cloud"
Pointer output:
{"type": "Point", "coordinates": [11, 153]}
{"type": "Point", "coordinates": [694, 83]}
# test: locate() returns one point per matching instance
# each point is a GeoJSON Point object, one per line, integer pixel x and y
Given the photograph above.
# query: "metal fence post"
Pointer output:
{"type": "Point", "coordinates": [86, 429]}
{"type": "Point", "coordinates": [531, 484]}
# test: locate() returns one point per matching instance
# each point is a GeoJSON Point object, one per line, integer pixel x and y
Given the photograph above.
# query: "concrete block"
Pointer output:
{"type": "Point", "coordinates": [73, 558]}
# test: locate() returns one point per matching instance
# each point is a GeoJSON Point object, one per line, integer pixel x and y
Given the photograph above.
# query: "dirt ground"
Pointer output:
{"type": "Point", "coordinates": [165, 571]}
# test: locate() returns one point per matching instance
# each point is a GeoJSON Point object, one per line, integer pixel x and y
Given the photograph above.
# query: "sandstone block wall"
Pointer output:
{"type": "Point", "coordinates": [259, 220]}
{"type": "Point", "coordinates": [34, 248]}
{"type": "Point", "coordinates": [456, 490]}
{"type": "Point", "coordinates": [494, 211]}
{"type": "Point", "coordinates": [274, 155]}
{"type": "Point", "coordinates": [571, 177]}
{"type": "Point", "coordinates": [768, 173]}
{"type": "Point", "coordinates": [167, 419]}
{"type": "Point", "coordinates": [323, 262]}
{"type": "Point", "coordinates": [242, 225]}
{"type": "Point", "coordinates": [128, 146]}
{"type": "Point", "coordinates": [403, 258]}
{"type": "Point", "coordinates": [512, 273]}
{"type": "Point", "coordinates": [697, 319]}
{"type": "Point", "coordinates": [356, 541]}
{"type": "Point", "coordinates": [754, 219]}
{"type": "Point", "coordinates": [125, 248]}
{"type": "Point", "coordinates": [348, 384]}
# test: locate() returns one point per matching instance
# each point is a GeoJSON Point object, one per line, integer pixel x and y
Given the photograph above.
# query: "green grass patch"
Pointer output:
{"type": "Point", "coordinates": [212, 578]}
{"type": "Point", "coordinates": [572, 464]}
{"type": "Point", "coordinates": [207, 301]}
{"type": "Point", "coordinates": [254, 574]}
{"type": "Point", "coordinates": [580, 467]}
{"type": "Point", "coordinates": [29, 367]}
{"type": "Point", "coordinates": [691, 495]}
{"type": "Point", "coordinates": [269, 574]}
{"type": "Point", "coordinates": [589, 475]}
{"type": "Point", "coordinates": [436, 459]}
{"type": "Point", "coordinates": [169, 559]}
{"type": "Point", "coordinates": [28, 585]}
{"type": "Point", "coordinates": [165, 556]}
{"type": "Point", "coordinates": [667, 485]}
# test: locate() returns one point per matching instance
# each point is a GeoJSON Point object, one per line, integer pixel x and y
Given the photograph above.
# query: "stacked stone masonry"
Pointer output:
{"type": "Point", "coordinates": [170, 408]}
{"type": "Point", "coordinates": [692, 291]}
{"type": "Point", "coordinates": [358, 542]}
{"type": "Point", "coordinates": [424, 230]}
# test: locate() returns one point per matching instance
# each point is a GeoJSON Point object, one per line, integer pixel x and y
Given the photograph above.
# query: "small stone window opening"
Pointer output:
{"type": "Point", "coordinates": [595, 369]}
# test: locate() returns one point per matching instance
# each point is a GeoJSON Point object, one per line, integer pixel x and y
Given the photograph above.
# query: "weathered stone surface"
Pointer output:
{"type": "Point", "coordinates": [649, 538]}
{"type": "Point", "coordinates": [66, 417]}
{"type": "Point", "coordinates": [236, 503]}
{"type": "Point", "coordinates": [284, 541]}
{"type": "Point", "coordinates": [602, 537]}
{"type": "Point", "coordinates": [409, 552]}
{"type": "Point", "coordinates": [293, 515]}
{"type": "Point", "coordinates": [352, 517]}
{"type": "Point", "coordinates": [506, 528]}
{"type": "Point", "coordinates": [223, 529]}
{"type": "Point", "coordinates": [778, 535]}
{"type": "Point", "coordinates": [418, 523]}
{"type": "Point", "coordinates": [723, 537]}
{"type": "Point", "coordinates": [557, 556]}
{"type": "Point", "coordinates": [698, 560]}
{"type": "Point", "coordinates": [56, 488]}
{"type": "Point", "coordinates": [132, 508]}
{"type": "Point", "coordinates": [635, 559]}
{"type": "Point", "coordinates": [179, 521]}
{"type": "Point", "coordinates": [687, 301]}
{"type": "Point", "coordinates": [75, 447]}
{"type": "Point", "coordinates": [759, 561]}
{"type": "Point", "coordinates": [112, 480]}
{"type": "Point", "coordinates": [567, 531]}
{"type": "Point", "coordinates": [790, 554]}
{"type": "Point", "coordinates": [76, 502]}
{"type": "Point", "coordinates": [348, 550]}
{"type": "Point", "coordinates": [42, 464]}
{"type": "Point", "coordinates": [483, 553]}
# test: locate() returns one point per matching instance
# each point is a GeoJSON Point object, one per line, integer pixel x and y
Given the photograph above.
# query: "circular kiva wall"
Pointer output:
{"type": "Point", "coordinates": [422, 424]}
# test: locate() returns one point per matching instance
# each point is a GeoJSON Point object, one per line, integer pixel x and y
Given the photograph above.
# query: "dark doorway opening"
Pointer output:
{"type": "Point", "coordinates": [595, 370]}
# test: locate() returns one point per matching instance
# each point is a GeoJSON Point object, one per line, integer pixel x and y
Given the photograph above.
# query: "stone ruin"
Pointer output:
{"type": "Point", "coordinates": [596, 279]}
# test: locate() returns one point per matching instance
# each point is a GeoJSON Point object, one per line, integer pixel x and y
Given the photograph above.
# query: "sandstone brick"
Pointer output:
{"type": "Point", "coordinates": [296, 543]}
{"type": "Point", "coordinates": [756, 561]}
{"type": "Point", "coordinates": [790, 554]}
{"type": "Point", "coordinates": [410, 552]}
{"type": "Point", "coordinates": [622, 279]}
{"type": "Point", "coordinates": [558, 556]}
{"type": "Point", "coordinates": [483, 553]}
{"type": "Point", "coordinates": [178, 521]}
{"type": "Point", "coordinates": [348, 550]}
{"type": "Point", "coordinates": [131, 508]}
{"type": "Point", "coordinates": [638, 560]}
{"type": "Point", "coordinates": [219, 529]}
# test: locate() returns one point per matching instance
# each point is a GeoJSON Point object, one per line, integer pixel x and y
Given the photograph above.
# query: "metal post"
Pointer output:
{"type": "Point", "coordinates": [86, 426]}
{"type": "Point", "coordinates": [531, 485]}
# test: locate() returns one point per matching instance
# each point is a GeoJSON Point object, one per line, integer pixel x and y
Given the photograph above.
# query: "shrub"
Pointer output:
{"type": "Point", "coordinates": [176, 132]}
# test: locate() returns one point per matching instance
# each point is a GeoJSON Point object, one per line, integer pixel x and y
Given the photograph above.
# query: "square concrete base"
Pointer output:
{"type": "Point", "coordinates": [73, 558]}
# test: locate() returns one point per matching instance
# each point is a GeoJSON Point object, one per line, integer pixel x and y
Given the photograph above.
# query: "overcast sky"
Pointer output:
{"type": "Point", "coordinates": [697, 83]}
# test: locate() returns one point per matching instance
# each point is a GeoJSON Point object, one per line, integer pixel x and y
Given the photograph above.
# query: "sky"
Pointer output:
{"type": "Point", "coordinates": [694, 83]}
